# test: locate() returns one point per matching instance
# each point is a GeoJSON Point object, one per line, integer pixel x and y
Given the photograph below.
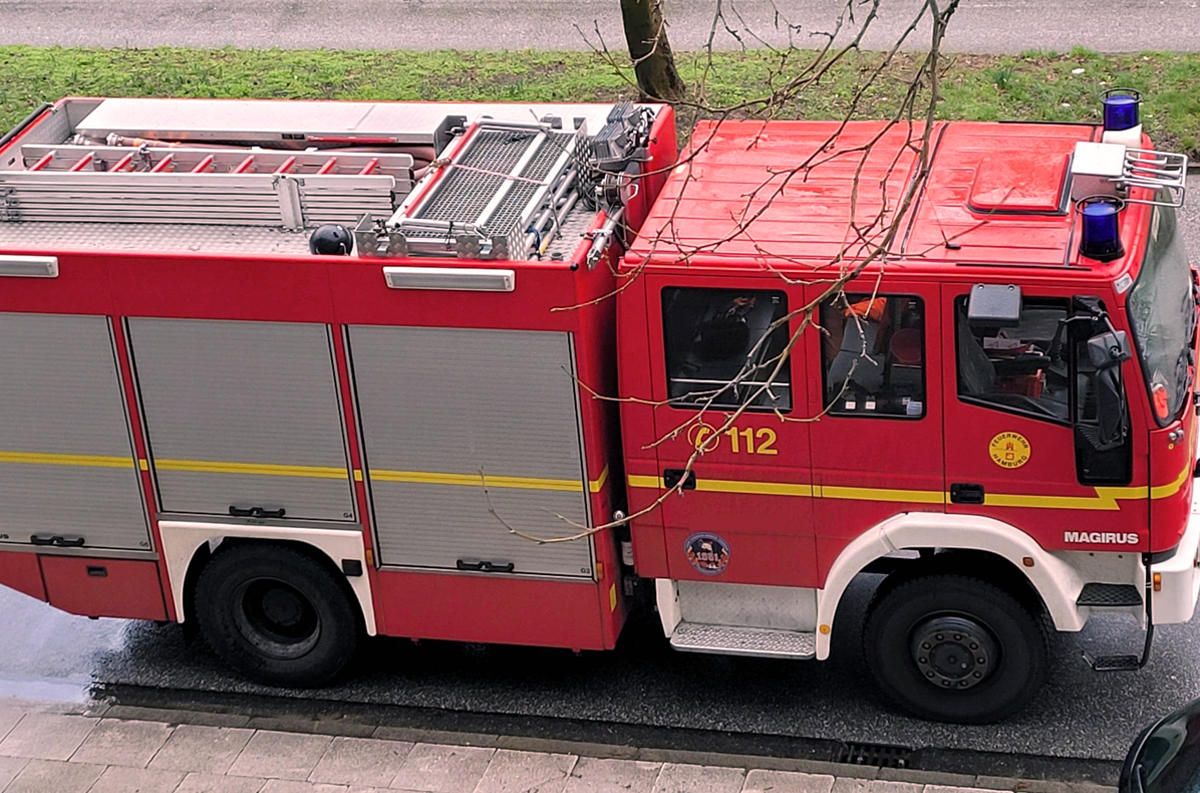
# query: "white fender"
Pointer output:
{"type": "Point", "coordinates": [181, 540]}
{"type": "Point", "coordinates": [1057, 582]}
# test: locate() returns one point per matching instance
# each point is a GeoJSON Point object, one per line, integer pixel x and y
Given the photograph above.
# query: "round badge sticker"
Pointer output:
{"type": "Point", "coordinates": [1009, 450]}
{"type": "Point", "coordinates": [708, 553]}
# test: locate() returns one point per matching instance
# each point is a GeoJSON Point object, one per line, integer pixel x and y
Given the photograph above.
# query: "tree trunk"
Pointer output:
{"type": "Point", "coordinates": [653, 61]}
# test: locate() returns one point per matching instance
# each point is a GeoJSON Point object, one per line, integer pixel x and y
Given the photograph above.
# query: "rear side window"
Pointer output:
{"type": "Point", "coordinates": [873, 355]}
{"type": "Point", "coordinates": [722, 347]}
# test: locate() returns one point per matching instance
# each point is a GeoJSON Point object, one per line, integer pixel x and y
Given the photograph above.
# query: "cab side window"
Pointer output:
{"type": "Point", "coordinates": [722, 347]}
{"type": "Point", "coordinates": [873, 355]}
{"type": "Point", "coordinates": [1022, 368]}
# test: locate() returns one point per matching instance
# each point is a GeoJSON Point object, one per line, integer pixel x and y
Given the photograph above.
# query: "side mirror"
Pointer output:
{"type": "Point", "coordinates": [1108, 349]}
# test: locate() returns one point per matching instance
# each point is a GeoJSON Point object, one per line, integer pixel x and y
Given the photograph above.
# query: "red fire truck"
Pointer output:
{"type": "Point", "coordinates": [297, 373]}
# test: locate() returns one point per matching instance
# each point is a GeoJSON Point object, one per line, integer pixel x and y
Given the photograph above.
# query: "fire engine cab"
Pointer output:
{"type": "Point", "coordinates": [296, 373]}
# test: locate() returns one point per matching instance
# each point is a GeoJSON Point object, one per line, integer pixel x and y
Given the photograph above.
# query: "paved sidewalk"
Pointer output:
{"type": "Point", "coordinates": [55, 748]}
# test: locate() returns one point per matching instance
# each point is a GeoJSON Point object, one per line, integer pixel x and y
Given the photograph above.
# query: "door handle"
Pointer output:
{"type": "Point", "coordinates": [57, 540]}
{"type": "Point", "coordinates": [671, 477]}
{"type": "Point", "coordinates": [256, 512]}
{"type": "Point", "coordinates": [484, 566]}
{"type": "Point", "coordinates": [966, 493]}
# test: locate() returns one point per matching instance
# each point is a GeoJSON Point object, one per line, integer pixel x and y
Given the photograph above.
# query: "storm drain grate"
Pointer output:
{"type": "Point", "coordinates": [873, 754]}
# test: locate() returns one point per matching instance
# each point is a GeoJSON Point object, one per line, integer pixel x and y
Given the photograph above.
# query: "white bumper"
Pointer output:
{"type": "Point", "coordinates": [1179, 575]}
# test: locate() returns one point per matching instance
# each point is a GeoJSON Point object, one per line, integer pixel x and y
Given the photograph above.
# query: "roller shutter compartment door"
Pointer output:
{"type": "Point", "coordinates": [243, 415]}
{"type": "Point", "coordinates": [67, 463]}
{"type": "Point", "coordinates": [444, 409]}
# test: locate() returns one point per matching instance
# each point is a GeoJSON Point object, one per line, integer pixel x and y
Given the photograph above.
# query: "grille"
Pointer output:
{"type": "Point", "coordinates": [873, 754]}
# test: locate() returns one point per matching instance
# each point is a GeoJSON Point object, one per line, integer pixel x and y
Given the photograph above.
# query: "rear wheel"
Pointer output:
{"type": "Point", "coordinates": [955, 648]}
{"type": "Point", "coordinates": [276, 615]}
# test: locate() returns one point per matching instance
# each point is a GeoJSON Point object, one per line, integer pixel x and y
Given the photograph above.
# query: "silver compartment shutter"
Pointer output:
{"type": "Point", "coordinates": [67, 463]}
{"type": "Point", "coordinates": [242, 414]}
{"type": "Point", "coordinates": [437, 406]}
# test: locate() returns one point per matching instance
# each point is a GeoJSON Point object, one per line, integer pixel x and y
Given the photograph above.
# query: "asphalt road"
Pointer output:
{"type": "Point", "coordinates": [51, 655]}
{"type": "Point", "coordinates": [978, 26]}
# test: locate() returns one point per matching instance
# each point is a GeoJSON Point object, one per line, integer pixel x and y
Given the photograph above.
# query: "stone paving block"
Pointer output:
{"type": "Point", "coordinates": [8, 719]}
{"type": "Point", "coordinates": [9, 768]}
{"type": "Point", "coordinates": [414, 735]}
{"type": "Point", "coordinates": [177, 716]}
{"type": "Point", "coordinates": [522, 743]}
{"type": "Point", "coordinates": [787, 782]}
{"type": "Point", "coordinates": [526, 772]}
{"type": "Point", "coordinates": [844, 785]}
{"type": "Point", "coordinates": [197, 782]}
{"type": "Point", "coordinates": [208, 750]}
{"type": "Point", "coordinates": [358, 761]}
{"type": "Point", "coordinates": [280, 755]}
{"type": "Point", "coordinates": [41, 776]}
{"type": "Point", "coordinates": [119, 742]}
{"type": "Point", "coordinates": [291, 786]}
{"type": "Point", "coordinates": [612, 776]}
{"type": "Point", "coordinates": [443, 769]}
{"type": "Point", "coordinates": [1092, 787]}
{"type": "Point", "coordinates": [46, 736]}
{"type": "Point", "coordinates": [932, 778]}
{"type": "Point", "coordinates": [122, 779]}
{"type": "Point", "coordinates": [676, 778]}
{"type": "Point", "coordinates": [344, 727]}
{"type": "Point", "coordinates": [949, 789]}
{"type": "Point", "coordinates": [997, 783]}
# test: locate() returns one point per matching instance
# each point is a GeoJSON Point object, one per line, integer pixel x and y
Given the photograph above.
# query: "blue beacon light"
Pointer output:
{"type": "Point", "coordinates": [1101, 236]}
{"type": "Point", "coordinates": [1121, 109]}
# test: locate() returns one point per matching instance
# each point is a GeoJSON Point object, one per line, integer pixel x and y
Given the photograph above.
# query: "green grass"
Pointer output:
{"type": "Point", "coordinates": [1035, 85]}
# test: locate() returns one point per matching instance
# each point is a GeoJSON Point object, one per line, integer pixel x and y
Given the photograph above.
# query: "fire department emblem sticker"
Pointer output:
{"type": "Point", "coordinates": [1009, 450]}
{"type": "Point", "coordinates": [708, 553]}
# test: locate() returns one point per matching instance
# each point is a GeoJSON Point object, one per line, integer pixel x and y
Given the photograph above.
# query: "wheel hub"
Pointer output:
{"type": "Point", "coordinates": [276, 618]}
{"type": "Point", "coordinates": [954, 652]}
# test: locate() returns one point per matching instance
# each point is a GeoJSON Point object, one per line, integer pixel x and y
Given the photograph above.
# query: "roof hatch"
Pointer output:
{"type": "Point", "coordinates": [1020, 183]}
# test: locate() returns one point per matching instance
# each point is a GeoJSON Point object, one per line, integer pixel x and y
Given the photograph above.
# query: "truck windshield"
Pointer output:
{"type": "Point", "coordinates": [1162, 313]}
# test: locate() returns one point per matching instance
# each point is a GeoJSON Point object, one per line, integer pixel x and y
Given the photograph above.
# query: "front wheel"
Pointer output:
{"type": "Point", "coordinates": [955, 648]}
{"type": "Point", "coordinates": [276, 615]}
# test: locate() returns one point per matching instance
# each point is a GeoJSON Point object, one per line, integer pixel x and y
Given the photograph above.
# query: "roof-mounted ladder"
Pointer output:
{"type": "Point", "coordinates": [144, 181]}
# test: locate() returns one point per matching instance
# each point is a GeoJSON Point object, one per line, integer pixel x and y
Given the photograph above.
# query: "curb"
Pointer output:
{"type": "Point", "coordinates": [952, 768]}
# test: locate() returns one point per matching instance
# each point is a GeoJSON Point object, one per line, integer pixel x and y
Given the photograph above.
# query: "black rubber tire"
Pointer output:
{"type": "Point", "coordinates": [227, 616]}
{"type": "Point", "coordinates": [1021, 639]}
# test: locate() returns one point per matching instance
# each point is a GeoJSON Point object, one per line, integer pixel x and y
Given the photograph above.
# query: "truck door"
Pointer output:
{"type": "Point", "coordinates": [874, 371]}
{"type": "Point", "coordinates": [1014, 393]}
{"type": "Point", "coordinates": [745, 515]}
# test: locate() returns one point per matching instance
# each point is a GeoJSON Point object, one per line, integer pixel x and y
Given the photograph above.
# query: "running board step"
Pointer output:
{"type": "Point", "coordinates": [696, 637]}
{"type": "Point", "coordinates": [1109, 595]}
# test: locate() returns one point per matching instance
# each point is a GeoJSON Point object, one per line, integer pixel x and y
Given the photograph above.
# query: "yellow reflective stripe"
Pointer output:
{"type": "Point", "coordinates": [598, 483]}
{"type": "Point", "coordinates": [475, 480]}
{"type": "Point", "coordinates": [1106, 498]}
{"type": "Point", "coordinates": [882, 494]}
{"type": "Point", "coordinates": [252, 469]}
{"type": "Point", "coordinates": [1168, 490]}
{"type": "Point", "coordinates": [86, 460]}
{"type": "Point", "coordinates": [753, 488]}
